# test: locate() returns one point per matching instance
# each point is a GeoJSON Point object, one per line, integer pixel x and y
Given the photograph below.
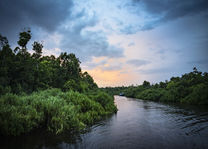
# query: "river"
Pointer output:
{"type": "Point", "coordinates": [137, 124]}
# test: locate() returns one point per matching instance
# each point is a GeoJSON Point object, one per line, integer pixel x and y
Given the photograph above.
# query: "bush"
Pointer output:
{"type": "Point", "coordinates": [52, 109]}
{"type": "Point", "coordinates": [199, 95]}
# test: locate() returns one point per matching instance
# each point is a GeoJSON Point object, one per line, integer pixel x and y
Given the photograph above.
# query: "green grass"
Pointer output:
{"type": "Point", "coordinates": [52, 109]}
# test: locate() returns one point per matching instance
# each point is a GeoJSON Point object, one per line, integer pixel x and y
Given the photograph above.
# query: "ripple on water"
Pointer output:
{"type": "Point", "coordinates": [137, 124]}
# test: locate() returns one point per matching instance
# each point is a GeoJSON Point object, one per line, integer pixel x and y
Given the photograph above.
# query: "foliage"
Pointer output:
{"type": "Point", "coordinates": [25, 72]}
{"type": "Point", "coordinates": [105, 100]}
{"type": "Point", "coordinates": [190, 88]}
{"type": "Point", "coordinates": [52, 109]}
{"type": "Point", "coordinates": [28, 99]}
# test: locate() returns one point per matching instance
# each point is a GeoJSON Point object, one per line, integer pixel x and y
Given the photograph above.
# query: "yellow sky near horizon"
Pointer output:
{"type": "Point", "coordinates": [110, 77]}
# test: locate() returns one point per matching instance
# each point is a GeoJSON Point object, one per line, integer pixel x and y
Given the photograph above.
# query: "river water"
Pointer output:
{"type": "Point", "coordinates": [137, 124]}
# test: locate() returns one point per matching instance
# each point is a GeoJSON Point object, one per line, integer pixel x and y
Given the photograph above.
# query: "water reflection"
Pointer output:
{"type": "Point", "coordinates": [138, 124]}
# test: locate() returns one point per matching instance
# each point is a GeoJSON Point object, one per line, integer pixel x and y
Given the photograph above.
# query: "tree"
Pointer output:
{"type": "Point", "coordinates": [24, 37]}
{"type": "Point", "coordinates": [195, 70]}
{"type": "Point", "coordinates": [3, 42]}
{"type": "Point", "coordinates": [87, 78]}
{"type": "Point", "coordinates": [146, 83]}
{"type": "Point", "coordinates": [71, 66]}
{"type": "Point", "coordinates": [37, 48]}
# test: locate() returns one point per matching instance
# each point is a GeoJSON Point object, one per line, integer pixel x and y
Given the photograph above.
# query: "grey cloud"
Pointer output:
{"type": "Point", "coordinates": [133, 29]}
{"type": "Point", "coordinates": [112, 67]}
{"type": "Point", "coordinates": [101, 65]}
{"type": "Point", "coordinates": [85, 43]}
{"type": "Point", "coordinates": [131, 44]}
{"type": "Point", "coordinates": [124, 72]}
{"type": "Point", "coordinates": [17, 14]}
{"type": "Point", "coordinates": [167, 10]}
{"type": "Point", "coordinates": [47, 17]}
{"type": "Point", "coordinates": [149, 25]}
{"type": "Point", "coordinates": [155, 71]}
{"type": "Point", "coordinates": [161, 51]}
{"type": "Point", "coordinates": [91, 65]}
{"type": "Point", "coordinates": [173, 9]}
{"type": "Point", "coordinates": [201, 62]}
{"type": "Point", "coordinates": [137, 62]}
{"type": "Point", "coordinates": [129, 29]}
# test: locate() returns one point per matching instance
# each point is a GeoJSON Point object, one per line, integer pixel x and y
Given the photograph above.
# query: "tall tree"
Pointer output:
{"type": "Point", "coordinates": [24, 37]}
{"type": "Point", "coordinates": [37, 48]}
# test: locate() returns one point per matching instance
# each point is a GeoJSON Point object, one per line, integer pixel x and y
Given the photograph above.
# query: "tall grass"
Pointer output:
{"type": "Point", "coordinates": [52, 109]}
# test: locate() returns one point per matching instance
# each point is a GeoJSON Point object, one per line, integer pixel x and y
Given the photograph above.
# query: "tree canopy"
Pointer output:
{"type": "Point", "coordinates": [22, 71]}
{"type": "Point", "coordinates": [191, 88]}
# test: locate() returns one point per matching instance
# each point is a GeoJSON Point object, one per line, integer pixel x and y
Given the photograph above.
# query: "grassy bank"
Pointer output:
{"type": "Point", "coordinates": [53, 110]}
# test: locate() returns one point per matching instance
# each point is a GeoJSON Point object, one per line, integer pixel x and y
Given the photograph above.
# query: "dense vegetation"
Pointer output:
{"type": "Point", "coordinates": [46, 91]}
{"type": "Point", "coordinates": [52, 109]}
{"type": "Point", "coordinates": [190, 88]}
{"type": "Point", "coordinates": [23, 72]}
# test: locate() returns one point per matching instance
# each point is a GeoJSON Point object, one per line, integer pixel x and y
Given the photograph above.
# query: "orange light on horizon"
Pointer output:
{"type": "Point", "coordinates": [106, 78]}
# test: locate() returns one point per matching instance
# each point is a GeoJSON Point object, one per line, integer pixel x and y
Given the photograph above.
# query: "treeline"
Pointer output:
{"type": "Point", "coordinates": [114, 90]}
{"type": "Point", "coordinates": [25, 72]}
{"type": "Point", "coordinates": [190, 88]}
{"type": "Point", "coordinates": [46, 91]}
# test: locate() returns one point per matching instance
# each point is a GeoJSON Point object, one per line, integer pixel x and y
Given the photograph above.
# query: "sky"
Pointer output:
{"type": "Point", "coordinates": [119, 42]}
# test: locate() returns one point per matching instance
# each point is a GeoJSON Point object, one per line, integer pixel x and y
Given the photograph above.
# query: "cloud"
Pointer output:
{"type": "Point", "coordinates": [64, 21]}
{"type": "Point", "coordinates": [56, 52]}
{"type": "Point", "coordinates": [86, 43]}
{"type": "Point", "coordinates": [173, 9]}
{"type": "Point", "coordinates": [129, 29]}
{"type": "Point", "coordinates": [155, 71]}
{"type": "Point", "coordinates": [137, 62]}
{"type": "Point", "coordinates": [161, 11]}
{"type": "Point", "coordinates": [201, 62]}
{"type": "Point", "coordinates": [111, 67]}
{"type": "Point", "coordinates": [92, 65]}
{"type": "Point", "coordinates": [46, 14]}
{"type": "Point", "coordinates": [103, 65]}
{"type": "Point", "coordinates": [131, 44]}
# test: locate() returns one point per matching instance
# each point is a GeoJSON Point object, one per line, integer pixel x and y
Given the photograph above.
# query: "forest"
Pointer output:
{"type": "Point", "coordinates": [190, 88]}
{"type": "Point", "coordinates": [46, 92]}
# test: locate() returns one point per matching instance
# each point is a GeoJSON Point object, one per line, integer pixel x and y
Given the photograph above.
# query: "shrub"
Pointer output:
{"type": "Point", "coordinates": [52, 109]}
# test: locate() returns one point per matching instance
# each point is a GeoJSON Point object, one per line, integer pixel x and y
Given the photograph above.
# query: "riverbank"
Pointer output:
{"type": "Point", "coordinates": [54, 110]}
{"type": "Point", "coordinates": [137, 124]}
{"type": "Point", "coordinates": [190, 88]}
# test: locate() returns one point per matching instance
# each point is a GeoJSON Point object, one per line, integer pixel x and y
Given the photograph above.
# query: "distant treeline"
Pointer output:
{"type": "Point", "coordinates": [190, 88]}
{"type": "Point", "coordinates": [46, 91]}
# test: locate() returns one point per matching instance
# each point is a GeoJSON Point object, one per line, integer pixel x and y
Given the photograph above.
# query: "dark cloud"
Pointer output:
{"type": "Point", "coordinates": [49, 17]}
{"type": "Point", "coordinates": [17, 14]}
{"type": "Point", "coordinates": [167, 10]}
{"type": "Point", "coordinates": [149, 25]}
{"type": "Point", "coordinates": [90, 44]}
{"type": "Point", "coordinates": [86, 43]}
{"type": "Point", "coordinates": [137, 62]}
{"type": "Point", "coordinates": [173, 9]}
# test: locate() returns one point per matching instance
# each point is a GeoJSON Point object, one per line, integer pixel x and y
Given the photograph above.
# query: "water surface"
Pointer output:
{"type": "Point", "coordinates": [137, 124]}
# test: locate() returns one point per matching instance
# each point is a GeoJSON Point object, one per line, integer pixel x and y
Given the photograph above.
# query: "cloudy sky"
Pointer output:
{"type": "Point", "coordinates": [119, 42]}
